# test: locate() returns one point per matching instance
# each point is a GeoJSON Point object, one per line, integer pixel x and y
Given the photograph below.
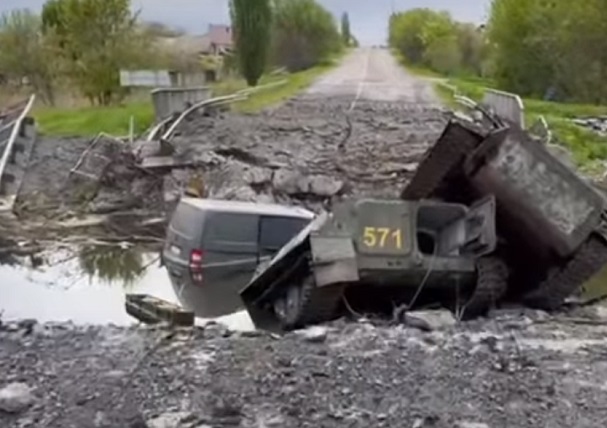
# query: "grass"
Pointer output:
{"type": "Point", "coordinates": [115, 120]}
{"type": "Point", "coordinates": [588, 148]}
{"type": "Point", "coordinates": [417, 70]}
{"type": "Point", "coordinates": [89, 121]}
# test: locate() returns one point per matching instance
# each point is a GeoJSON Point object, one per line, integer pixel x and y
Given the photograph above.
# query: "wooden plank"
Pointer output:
{"type": "Point", "coordinates": [152, 310]}
{"type": "Point", "coordinates": [155, 162]}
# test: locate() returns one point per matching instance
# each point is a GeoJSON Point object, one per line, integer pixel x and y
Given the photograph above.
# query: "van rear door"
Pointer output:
{"type": "Point", "coordinates": [183, 235]}
{"type": "Point", "coordinates": [229, 241]}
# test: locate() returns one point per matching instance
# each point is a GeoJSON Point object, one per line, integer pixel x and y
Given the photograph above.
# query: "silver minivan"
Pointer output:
{"type": "Point", "coordinates": [213, 247]}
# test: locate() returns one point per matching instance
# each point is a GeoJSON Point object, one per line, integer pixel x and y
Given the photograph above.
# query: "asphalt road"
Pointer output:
{"type": "Point", "coordinates": [374, 74]}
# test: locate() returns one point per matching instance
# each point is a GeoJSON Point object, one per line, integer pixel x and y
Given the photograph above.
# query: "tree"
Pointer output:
{"type": "Point", "coordinates": [25, 53]}
{"type": "Point", "coordinates": [304, 34]}
{"type": "Point", "coordinates": [345, 29]}
{"type": "Point", "coordinates": [529, 47]}
{"type": "Point", "coordinates": [252, 26]}
{"type": "Point", "coordinates": [158, 29]}
{"type": "Point", "coordinates": [428, 38]}
{"type": "Point", "coordinates": [472, 46]}
{"type": "Point", "coordinates": [97, 38]}
{"type": "Point", "coordinates": [520, 52]}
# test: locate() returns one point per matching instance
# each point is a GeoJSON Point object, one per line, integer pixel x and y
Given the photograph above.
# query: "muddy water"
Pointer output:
{"type": "Point", "coordinates": [88, 286]}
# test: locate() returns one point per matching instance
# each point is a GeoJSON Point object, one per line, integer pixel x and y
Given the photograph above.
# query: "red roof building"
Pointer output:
{"type": "Point", "coordinates": [220, 37]}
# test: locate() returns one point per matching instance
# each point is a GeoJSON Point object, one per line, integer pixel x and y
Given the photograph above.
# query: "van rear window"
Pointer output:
{"type": "Point", "coordinates": [231, 228]}
{"type": "Point", "coordinates": [277, 231]}
{"type": "Point", "coordinates": [186, 220]}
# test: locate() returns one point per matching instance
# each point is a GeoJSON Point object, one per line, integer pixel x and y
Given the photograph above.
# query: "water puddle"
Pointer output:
{"type": "Point", "coordinates": [88, 285]}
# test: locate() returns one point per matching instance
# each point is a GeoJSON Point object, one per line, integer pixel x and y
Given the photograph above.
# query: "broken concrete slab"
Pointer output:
{"type": "Point", "coordinates": [464, 424]}
{"type": "Point", "coordinates": [430, 320]}
{"type": "Point", "coordinates": [176, 420]}
{"type": "Point", "coordinates": [161, 162]}
{"type": "Point", "coordinates": [16, 398]}
{"type": "Point", "coordinates": [314, 334]}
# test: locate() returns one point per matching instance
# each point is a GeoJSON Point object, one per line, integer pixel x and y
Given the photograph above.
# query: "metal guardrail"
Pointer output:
{"type": "Point", "coordinates": [12, 118]}
{"type": "Point", "coordinates": [507, 105]}
{"type": "Point", "coordinates": [169, 101]}
{"type": "Point", "coordinates": [165, 128]}
{"type": "Point", "coordinates": [211, 102]}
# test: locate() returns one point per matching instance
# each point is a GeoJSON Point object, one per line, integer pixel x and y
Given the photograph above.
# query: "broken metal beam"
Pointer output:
{"type": "Point", "coordinates": [155, 162]}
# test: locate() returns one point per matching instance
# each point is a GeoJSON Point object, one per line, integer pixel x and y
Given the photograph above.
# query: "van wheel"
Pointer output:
{"type": "Point", "coordinates": [291, 306]}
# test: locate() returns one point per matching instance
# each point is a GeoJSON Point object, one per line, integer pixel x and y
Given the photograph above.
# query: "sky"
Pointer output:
{"type": "Point", "coordinates": [368, 17]}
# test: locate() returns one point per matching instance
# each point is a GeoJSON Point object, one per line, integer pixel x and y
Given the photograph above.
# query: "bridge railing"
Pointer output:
{"type": "Point", "coordinates": [11, 121]}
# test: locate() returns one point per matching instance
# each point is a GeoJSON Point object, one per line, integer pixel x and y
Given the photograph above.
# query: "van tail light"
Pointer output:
{"type": "Point", "coordinates": [196, 257]}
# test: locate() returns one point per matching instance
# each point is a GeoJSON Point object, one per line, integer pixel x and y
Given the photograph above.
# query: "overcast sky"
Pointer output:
{"type": "Point", "coordinates": [368, 17]}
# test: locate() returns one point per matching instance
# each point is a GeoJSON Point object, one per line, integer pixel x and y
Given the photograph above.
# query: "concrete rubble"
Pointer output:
{"type": "Point", "coordinates": [16, 398]}
{"type": "Point", "coordinates": [594, 124]}
{"type": "Point", "coordinates": [286, 155]}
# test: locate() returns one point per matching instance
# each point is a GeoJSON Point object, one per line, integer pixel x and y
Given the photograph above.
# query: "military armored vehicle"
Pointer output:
{"type": "Point", "coordinates": [375, 255]}
{"type": "Point", "coordinates": [551, 222]}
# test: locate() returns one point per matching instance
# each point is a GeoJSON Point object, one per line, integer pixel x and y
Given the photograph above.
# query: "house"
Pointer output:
{"type": "Point", "coordinates": [217, 41]}
{"type": "Point", "coordinates": [187, 45]}
{"type": "Point", "coordinates": [220, 39]}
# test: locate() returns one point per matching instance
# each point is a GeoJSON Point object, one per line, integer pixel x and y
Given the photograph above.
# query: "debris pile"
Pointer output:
{"type": "Point", "coordinates": [595, 124]}
{"type": "Point", "coordinates": [289, 155]}
{"type": "Point", "coordinates": [303, 152]}
{"type": "Point", "coordinates": [549, 221]}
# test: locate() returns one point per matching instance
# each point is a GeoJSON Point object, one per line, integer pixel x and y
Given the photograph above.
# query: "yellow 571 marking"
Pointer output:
{"type": "Point", "coordinates": [374, 237]}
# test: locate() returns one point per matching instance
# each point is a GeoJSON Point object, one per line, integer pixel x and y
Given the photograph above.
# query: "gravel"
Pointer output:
{"type": "Point", "coordinates": [497, 373]}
